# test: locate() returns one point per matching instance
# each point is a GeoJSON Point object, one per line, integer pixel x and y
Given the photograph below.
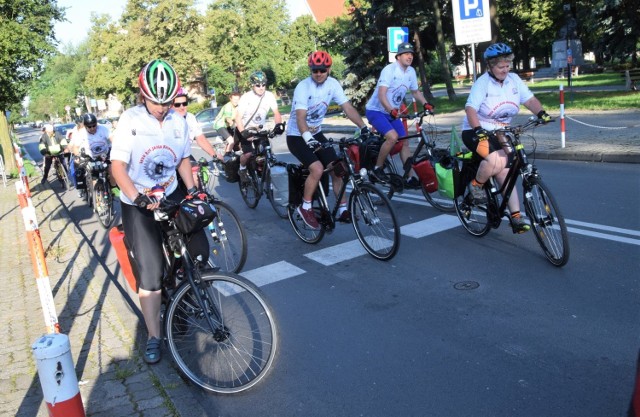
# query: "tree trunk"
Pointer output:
{"type": "Point", "coordinates": [426, 88]}
{"type": "Point", "coordinates": [442, 52]}
{"type": "Point", "coordinates": [6, 147]}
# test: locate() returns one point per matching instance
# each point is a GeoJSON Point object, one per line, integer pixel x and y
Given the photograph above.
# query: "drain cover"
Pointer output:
{"type": "Point", "coordinates": [466, 285]}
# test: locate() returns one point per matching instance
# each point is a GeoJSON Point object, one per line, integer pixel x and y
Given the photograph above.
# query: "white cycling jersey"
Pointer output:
{"type": "Point", "coordinates": [315, 99]}
{"type": "Point", "coordinates": [251, 104]}
{"type": "Point", "coordinates": [495, 103]}
{"type": "Point", "coordinates": [398, 82]}
{"type": "Point", "coordinates": [94, 145]}
{"type": "Point", "coordinates": [151, 151]}
{"type": "Point", "coordinates": [194, 128]}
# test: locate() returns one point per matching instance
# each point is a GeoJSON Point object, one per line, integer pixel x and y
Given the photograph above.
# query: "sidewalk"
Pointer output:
{"type": "Point", "coordinates": [103, 327]}
{"type": "Point", "coordinates": [605, 136]}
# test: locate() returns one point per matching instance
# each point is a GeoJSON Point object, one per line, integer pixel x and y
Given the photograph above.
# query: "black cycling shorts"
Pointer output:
{"type": "Point", "coordinates": [144, 237]}
{"type": "Point", "coordinates": [298, 148]}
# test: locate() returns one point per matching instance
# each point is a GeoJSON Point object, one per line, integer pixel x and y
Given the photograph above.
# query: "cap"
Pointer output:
{"type": "Point", "coordinates": [404, 47]}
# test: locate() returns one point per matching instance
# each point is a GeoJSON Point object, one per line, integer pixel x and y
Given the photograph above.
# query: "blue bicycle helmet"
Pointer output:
{"type": "Point", "coordinates": [496, 50]}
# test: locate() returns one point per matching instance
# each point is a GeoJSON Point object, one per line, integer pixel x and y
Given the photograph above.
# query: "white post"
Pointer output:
{"type": "Point", "coordinates": [562, 129]}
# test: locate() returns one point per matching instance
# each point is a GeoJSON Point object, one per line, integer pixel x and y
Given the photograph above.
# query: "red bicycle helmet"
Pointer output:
{"type": "Point", "coordinates": [319, 60]}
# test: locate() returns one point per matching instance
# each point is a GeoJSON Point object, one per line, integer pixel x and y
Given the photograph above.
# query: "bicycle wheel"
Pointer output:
{"type": "Point", "coordinates": [304, 232]}
{"type": "Point", "coordinates": [250, 190]}
{"type": "Point", "coordinates": [396, 182]}
{"type": "Point", "coordinates": [374, 221]}
{"type": "Point", "coordinates": [473, 217]}
{"type": "Point", "coordinates": [62, 176]}
{"type": "Point", "coordinates": [438, 201]}
{"type": "Point", "coordinates": [547, 221]}
{"type": "Point", "coordinates": [88, 194]}
{"type": "Point", "coordinates": [227, 239]}
{"type": "Point", "coordinates": [280, 210]}
{"type": "Point", "coordinates": [239, 351]}
{"type": "Point", "coordinates": [102, 204]}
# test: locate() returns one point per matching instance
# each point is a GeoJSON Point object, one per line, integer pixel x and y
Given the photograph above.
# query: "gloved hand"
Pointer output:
{"type": "Point", "coordinates": [394, 113]}
{"type": "Point", "coordinates": [246, 134]}
{"type": "Point", "coordinates": [481, 134]}
{"type": "Point", "coordinates": [143, 200]}
{"type": "Point", "coordinates": [544, 117]}
{"type": "Point", "coordinates": [278, 129]}
{"type": "Point", "coordinates": [364, 131]}
{"type": "Point", "coordinates": [44, 152]}
{"type": "Point", "coordinates": [429, 107]}
{"type": "Point", "coordinates": [195, 193]}
{"type": "Point", "coordinates": [311, 141]}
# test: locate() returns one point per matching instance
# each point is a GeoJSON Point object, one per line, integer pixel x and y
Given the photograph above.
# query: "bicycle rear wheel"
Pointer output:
{"type": "Point", "coordinates": [473, 217]}
{"type": "Point", "coordinates": [227, 239]}
{"type": "Point", "coordinates": [102, 202]}
{"type": "Point", "coordinates": [436, 199]}
{"type": "Point", "coordinates": [280, 210]}
{"type": "Point", "coordinates": [304, 232]}
{"type": "Point", "coordinates": [547, 221]}
{"type": "Point", "coordinates": [239, 351]}
{"type": "Point", "coordinates": [250, 190]}
{"type": "Point", "coordinates": [374, 221]}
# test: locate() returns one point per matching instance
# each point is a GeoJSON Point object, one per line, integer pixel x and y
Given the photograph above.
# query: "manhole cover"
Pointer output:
{"type": "Point", "coordinates": [466, 285]}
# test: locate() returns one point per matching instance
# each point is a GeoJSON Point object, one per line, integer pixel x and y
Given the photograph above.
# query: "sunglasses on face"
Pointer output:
{"type": "Point", "coordinates": [260, 85]}
{"type": "Point", "coordinates": [90, 126]}
{"type": "Point", "coordinates": [184, 103]}
{"type": "Point", "coordinates": [319, 71]}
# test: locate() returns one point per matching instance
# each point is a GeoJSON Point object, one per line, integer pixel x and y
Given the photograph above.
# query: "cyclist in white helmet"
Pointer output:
{"type": "Point", "coordinates": [149, 144]}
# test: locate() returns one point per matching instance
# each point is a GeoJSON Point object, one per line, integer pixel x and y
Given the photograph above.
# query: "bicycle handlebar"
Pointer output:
{"type": "Point", "coordinates": [259, 133]}
{"type": "Point", "coordinates": [531, 123]}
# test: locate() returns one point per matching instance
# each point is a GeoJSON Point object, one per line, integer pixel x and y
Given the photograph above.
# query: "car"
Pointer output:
{"type": "Point", "coordinates": [205, 119]}
{"type": "Point", "coordinates": [62, 129]}
{"type": "Point", "coordinates": [106, 122]}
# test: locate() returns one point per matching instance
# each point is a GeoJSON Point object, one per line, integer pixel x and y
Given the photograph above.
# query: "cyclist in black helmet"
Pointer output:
{"type": "Point", "coordinates": [494, 100]}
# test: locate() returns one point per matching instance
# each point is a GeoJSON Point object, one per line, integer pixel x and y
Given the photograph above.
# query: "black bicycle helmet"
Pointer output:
{"type": "Point", "coordinates": [496, 50]}
{"type": "Point", "coordinates": [89, 119]}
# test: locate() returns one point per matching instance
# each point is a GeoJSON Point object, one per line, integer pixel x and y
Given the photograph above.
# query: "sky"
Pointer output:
{"type": "Point", "coordinates": [79, 12]}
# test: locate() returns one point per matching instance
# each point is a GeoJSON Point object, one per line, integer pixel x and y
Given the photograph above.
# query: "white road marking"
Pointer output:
{"type": "Point", "coordinates": [337, 253]}
{"type": "Point", "coordinates": [272, 273]}
{"type": "Point", "coordinates": [430, 226]}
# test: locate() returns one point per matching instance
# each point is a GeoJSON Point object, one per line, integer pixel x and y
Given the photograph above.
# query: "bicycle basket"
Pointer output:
{"type": "Point", "coordinates": [193, 215]}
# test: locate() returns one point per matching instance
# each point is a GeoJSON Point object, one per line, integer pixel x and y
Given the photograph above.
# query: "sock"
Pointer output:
{"type": "Point", "coordinates": [243, 167]}
{"type": "Point", "coordinates": [515, 215]}
{"type": "Point", "coordinates": [342, 208]}
{"type": "Point", "coordinates": [306, 205]}
{"type": "Point", "coordinates": [475, 183]}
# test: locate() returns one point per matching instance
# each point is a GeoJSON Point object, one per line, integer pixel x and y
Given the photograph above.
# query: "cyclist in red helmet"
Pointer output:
{"type": "Point", "coordinates": [311, 100]}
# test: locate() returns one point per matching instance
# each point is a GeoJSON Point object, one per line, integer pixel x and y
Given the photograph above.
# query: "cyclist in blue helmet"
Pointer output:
{"type": "Point", "coordinates": [494, 100]}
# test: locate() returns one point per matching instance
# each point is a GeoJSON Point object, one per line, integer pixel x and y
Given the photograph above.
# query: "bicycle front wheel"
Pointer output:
{"type": "Point", "coordinates": [250, 190]}
{"type": "Point", "coordinates": [102, 203]}
{"type": "Point", "coordinates": [239, 350]}
{"type": "Point", "coordinates": [374, 221]}
{"type": "Point", "coordinates": [547, 221]}
{"type": "Point", "coordinates": [473, 217]}
{"type": "Point", "coordinates": [280, 210]}
{"type": "Point", "coordinates": [62, 176]}
{"type": "Point", "coordinates": [227, 239]}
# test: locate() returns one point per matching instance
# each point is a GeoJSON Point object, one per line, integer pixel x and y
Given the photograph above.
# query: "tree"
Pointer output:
{"type": "Point", "coordinates": [26, 37]}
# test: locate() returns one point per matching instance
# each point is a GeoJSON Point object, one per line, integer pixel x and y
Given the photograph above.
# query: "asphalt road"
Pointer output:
{"type": "Point", "coordinates": [364, 337]}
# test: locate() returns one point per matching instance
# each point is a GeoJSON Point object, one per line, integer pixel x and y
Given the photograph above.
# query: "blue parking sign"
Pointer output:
{"type": "Point", "coordinates": [471, 9]}
{"type": "Point", "coordinates": [396, 36]}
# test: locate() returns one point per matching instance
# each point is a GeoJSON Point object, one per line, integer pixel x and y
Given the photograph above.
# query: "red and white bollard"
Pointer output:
{"type": "Point", "coordinates": [57, 375]}
{"type": "Point", "coordinates": [562, 128]}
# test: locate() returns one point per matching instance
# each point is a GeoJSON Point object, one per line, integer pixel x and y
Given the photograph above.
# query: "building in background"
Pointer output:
{"type": "Point", "coordinates": [320, 10]}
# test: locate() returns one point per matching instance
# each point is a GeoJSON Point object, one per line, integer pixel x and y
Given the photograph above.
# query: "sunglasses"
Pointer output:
{"type": "Point", "coordinates": [90, 126]}
{"type": "Point", "coordinates": [184, 103]}
{"type": "Point", "coordinates": [260, 85]}
{"type": "Point", "coordinates": [319, 71]}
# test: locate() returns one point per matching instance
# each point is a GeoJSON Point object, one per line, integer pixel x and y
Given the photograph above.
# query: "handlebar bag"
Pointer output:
{"type": "Point", "coordinates": [194, 215]}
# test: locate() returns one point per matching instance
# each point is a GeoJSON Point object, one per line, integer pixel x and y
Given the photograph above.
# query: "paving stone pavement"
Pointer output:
{"type": "Point", "coordinates": [103, 329]}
